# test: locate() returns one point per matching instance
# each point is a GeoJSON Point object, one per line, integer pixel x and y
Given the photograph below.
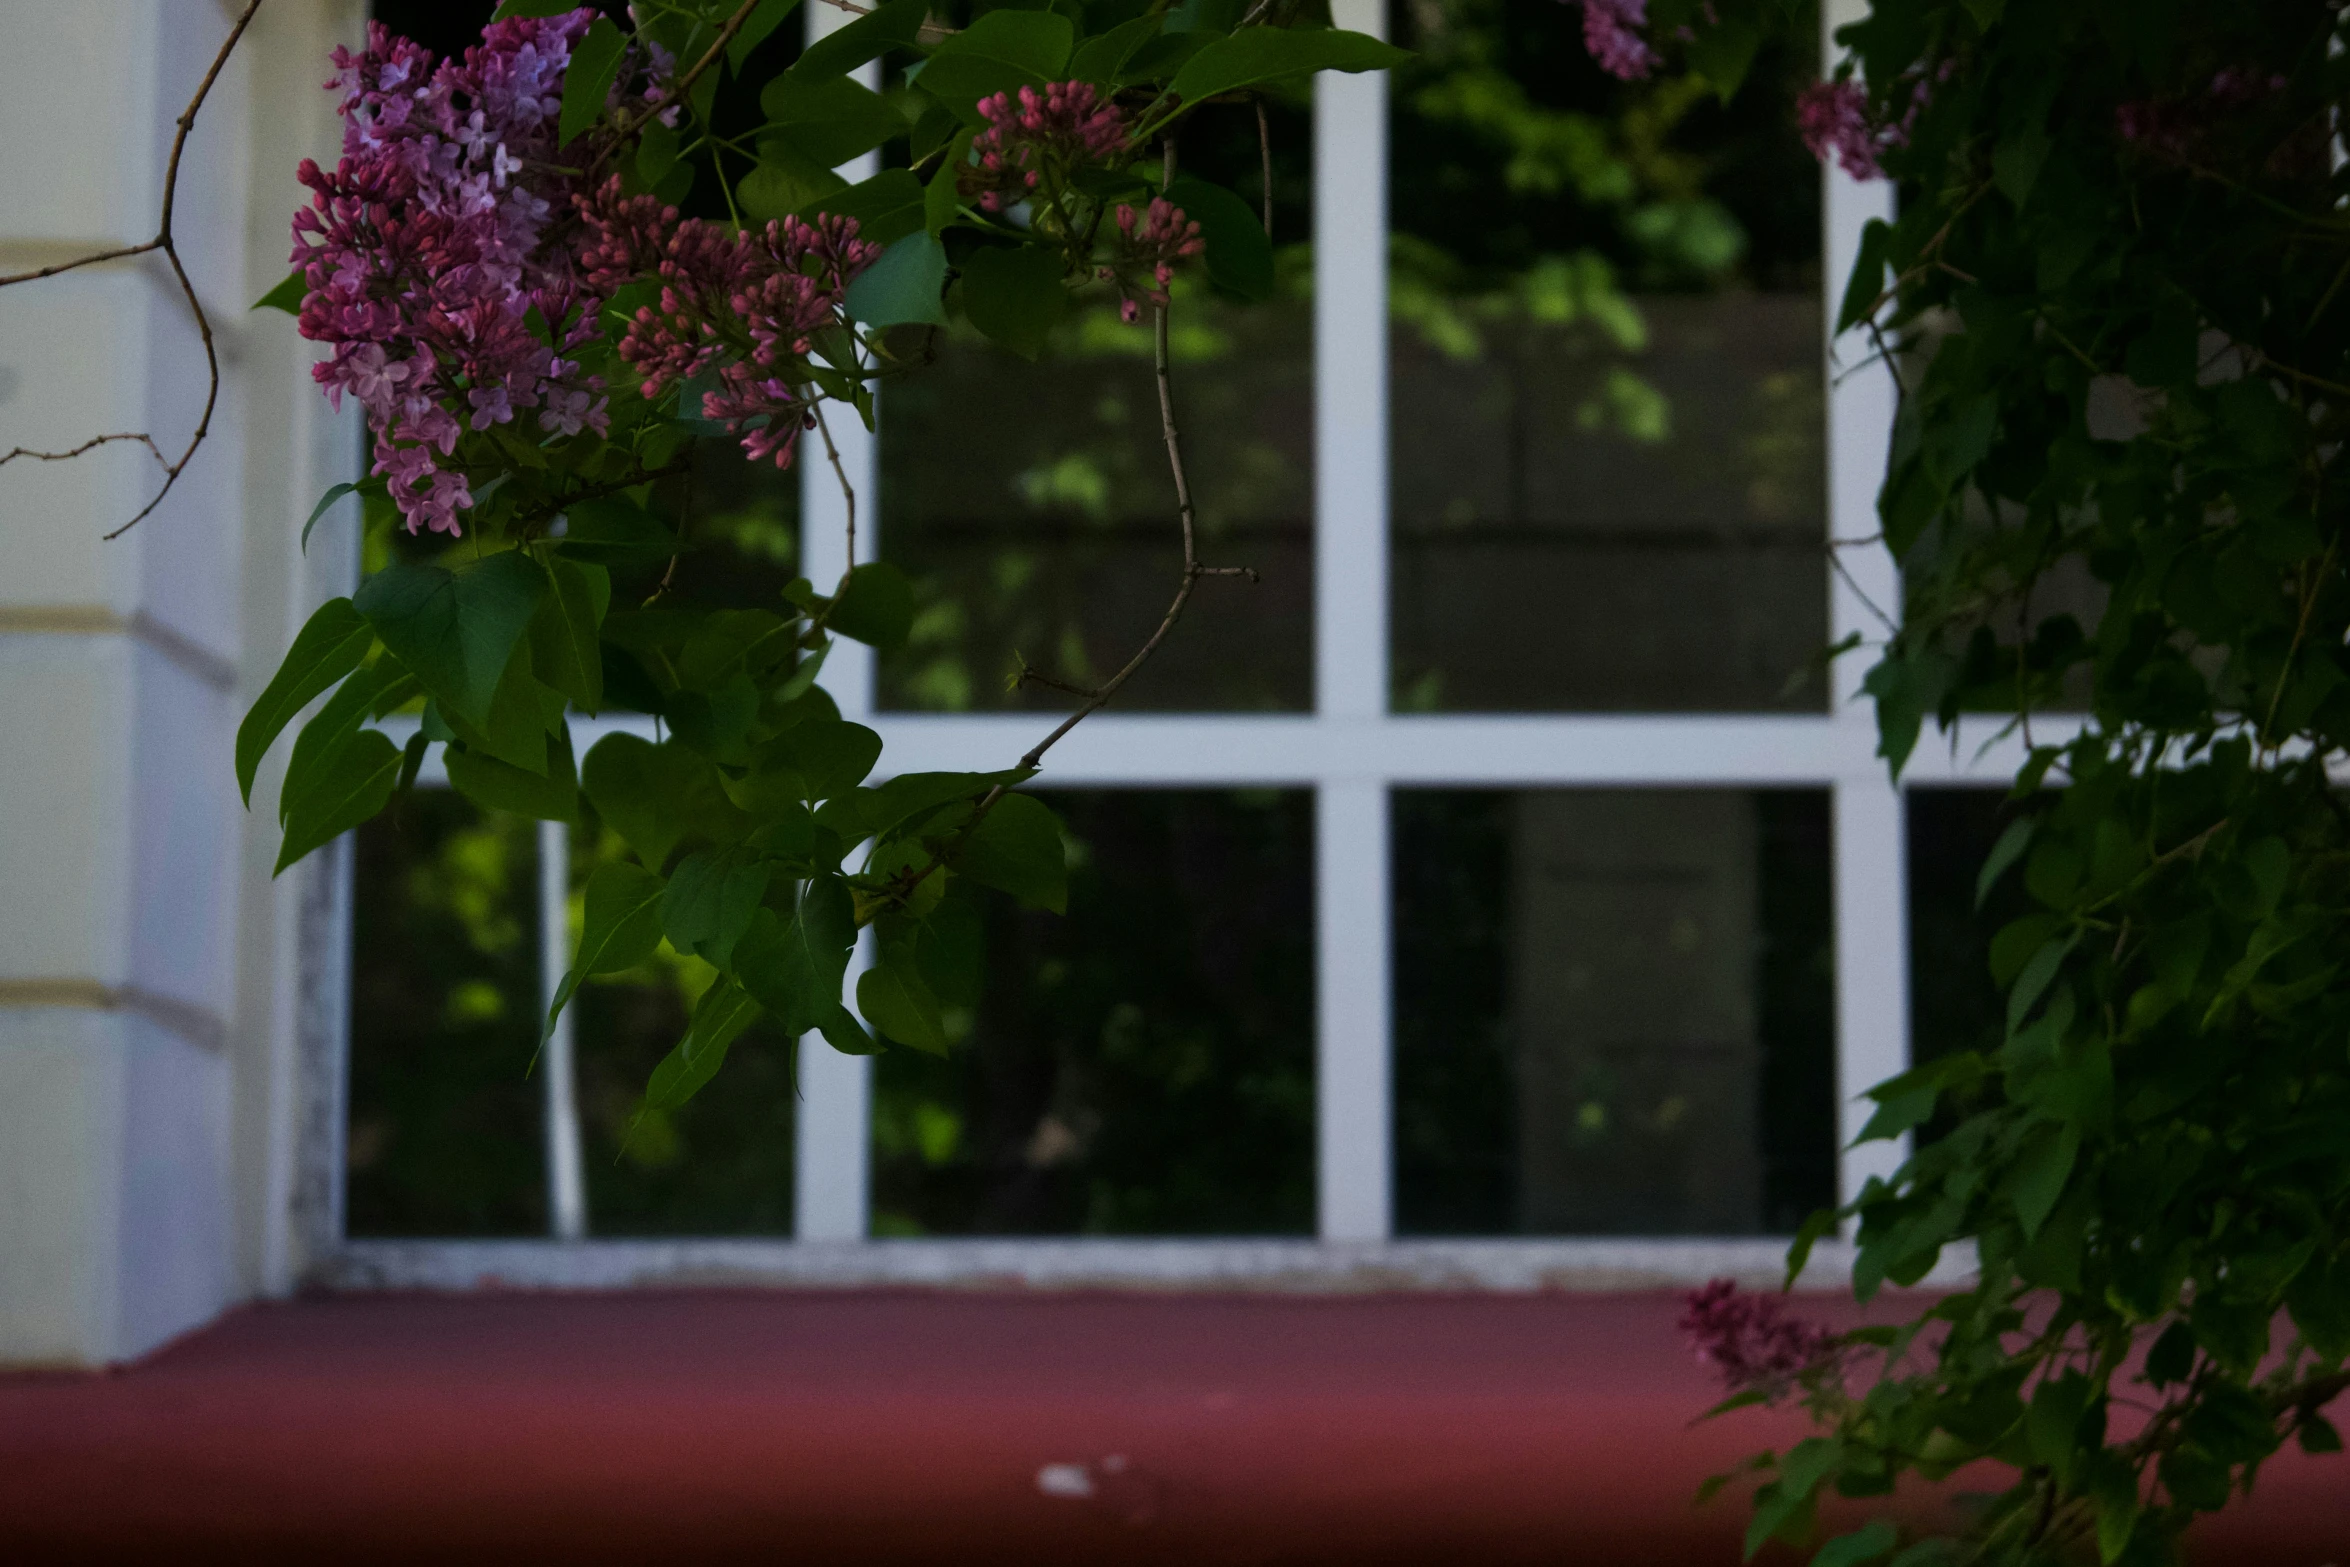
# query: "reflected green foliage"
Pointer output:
{"type": "Point", "coordinates": [1469, 914]}
{"type": "Point", "coordinates": [1141, 1067]}
{"type": "Point", "coordinates": [444, 1126]}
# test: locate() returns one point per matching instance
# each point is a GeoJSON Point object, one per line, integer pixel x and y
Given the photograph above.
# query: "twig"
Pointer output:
{"type": "Point", "coordinates": [623, 129]}
{"type": "Point", "coordinates": [164, 242]}
{"type": "Point", "coordinates": [847, 490]}
{"type": "Point", "coordinates": [1099, 696]}
{"type": "Point", "coordinates": [1265, 153]}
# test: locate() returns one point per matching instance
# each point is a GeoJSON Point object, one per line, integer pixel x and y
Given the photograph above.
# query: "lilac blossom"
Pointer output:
{"type": "Point", "coordinates": [431, 242]}
{"type": "Point", "coordinates": [1143, 257]}
{"type": "Point", "coordinates": [1749, 1344]}
{"type": "Point", "coordinates": [1044, 135]}
{"type": "Point", "coordinates": [742, 306]}
{"type": "Point", "coordinates": [1611, 32]}
{"type": "Point", "coordinates": [1833, 118]}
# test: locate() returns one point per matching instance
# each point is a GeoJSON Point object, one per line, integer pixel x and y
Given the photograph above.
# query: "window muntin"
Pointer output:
{"type": "Point", "coordinates": [1350, 755]}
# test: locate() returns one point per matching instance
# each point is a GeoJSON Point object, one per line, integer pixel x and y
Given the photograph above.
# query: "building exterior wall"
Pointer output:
{"type": "Point", "coordinates": [146, 1024]}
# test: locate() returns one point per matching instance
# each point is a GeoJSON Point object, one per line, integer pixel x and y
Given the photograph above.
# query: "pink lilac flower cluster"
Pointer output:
{"type": "Point", "coordinates": [743, 305]}
{"type": "Point", "coordinates": [429, 245]}
{"type": "Point", "coordinates": [1611, 32]}
{"type": "Point", "coordinates": [1833, 118]}
{"type": "Point", "coordinates": [1065, 127]}
{"type": "Point", "coordinates": [1143, 257]}
{"type": "Point", "coordinates": [1748, 1343]}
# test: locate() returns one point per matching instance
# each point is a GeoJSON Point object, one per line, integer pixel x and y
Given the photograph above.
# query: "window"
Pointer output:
{"type": "Point", "coordinates": [1536, 891]}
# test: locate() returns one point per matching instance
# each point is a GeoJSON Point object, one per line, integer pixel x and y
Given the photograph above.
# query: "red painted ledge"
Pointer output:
{"type": "Point", "coordinates": [915, 1427]}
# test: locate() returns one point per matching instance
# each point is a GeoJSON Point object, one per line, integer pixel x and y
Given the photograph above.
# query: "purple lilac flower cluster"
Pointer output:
{"type": "Point", "coordinates": [432, 241]}
{"type": "Point", "coordinates": [1143, 257]}
{"type": "Point", "coordinates": [1833, 118]}
{"type": "Point", "coordinates": [1611, 32]}
{"type": "Point", "coordinates": [743, 305]}
{"type": "Point", "coordinates": [1748, 1343]}
{"type": "Point", "coordinates": [1065, 127]}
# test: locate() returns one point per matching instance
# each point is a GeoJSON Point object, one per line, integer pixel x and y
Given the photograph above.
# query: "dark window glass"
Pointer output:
{"type": "Point", "coordinates": [1032, 503]}
{"type": "Point", "coordinates": [721, 1164]}
{"type": "Point", "coordinates": [1608, 482]}
{"type": "Point", "coordinates": [1953, 1005]}
{"type": "Point", "coordinates": [1143, 1066]}
{"type": "Point", "coordinates": [1614, 1012]}
{"type": "Point", "coordinates": [445, 1128]}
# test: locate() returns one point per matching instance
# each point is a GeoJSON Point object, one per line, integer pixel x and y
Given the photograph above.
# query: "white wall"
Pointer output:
{"type": "Point", "coordinates": [146, 990]}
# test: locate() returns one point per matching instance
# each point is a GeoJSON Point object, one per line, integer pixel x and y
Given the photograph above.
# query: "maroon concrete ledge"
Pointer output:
{"type": "Point", "coordinates": [914, 1427]}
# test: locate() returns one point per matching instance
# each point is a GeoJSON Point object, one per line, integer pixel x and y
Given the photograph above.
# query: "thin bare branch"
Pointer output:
{"type": "Point", "coordinates": [163, 242]}
{"type": "Point", "coordinates": [1097, 697]}
{"type": "Point", "coordinates": [624, 128]}
{"type": "Point", "coordinates": [848, 491]}
{"type": "Point", "coordinates": [1265, 157]}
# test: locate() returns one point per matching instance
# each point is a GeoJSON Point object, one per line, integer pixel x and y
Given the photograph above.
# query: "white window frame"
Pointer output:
{"type": "Point", "coordinates": [1353, 752]}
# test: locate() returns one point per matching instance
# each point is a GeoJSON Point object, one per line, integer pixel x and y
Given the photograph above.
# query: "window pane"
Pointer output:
{"type": "Point", "coordinates": [1142, 1066]}
{"type": "Point", "coordinates": [1033, 507]}
{"type": "Point", "coordinates": [445, 1128]}
{"type": "Point", "coordinates": [1614, 1012]}
{"type": "Point", "coordinates": [721, 1164]}
{"type": "Point", "coordinates": [1953, 1005]}
{"type": "Point", "coordinates": [1608, 487]}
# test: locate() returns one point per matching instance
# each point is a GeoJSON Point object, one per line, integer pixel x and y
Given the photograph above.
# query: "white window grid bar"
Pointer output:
{"type": "Point", "coordinates": [1353, 752]}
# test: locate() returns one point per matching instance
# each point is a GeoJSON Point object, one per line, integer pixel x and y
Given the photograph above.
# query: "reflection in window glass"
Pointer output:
{"type": "Point", "coordinates": [1614, 1012]}
{"type": "Point", "coordinates": [1143, 1066]}
{"type": "Point", "coordinates": [445, 1128]}
{"type": "Point", "coordinates": [1033, 507]}
{"type": "Point", "coordinates": [1608, 487]}
{"type": "Point", "coordinates": [721, 1164]}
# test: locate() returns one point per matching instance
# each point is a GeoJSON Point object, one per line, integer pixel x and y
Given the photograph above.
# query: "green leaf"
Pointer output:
{"type": "Point", "coordinates": [522, 715]}
{"type": "Point", "coordinates": [2004, 853]}
{"type": "Point", "coordinates": [942, 199]}
{"type": "Point", "coordinates": [1101, 58]}
{"type": "Point", "coordinates": [496, 785]}
{"type": "Point", "coordinates": [507, 8]}
{"type": "Point", "coordinates": [613, 531]}
{"type": "Point", "coordinates": [1263, 54]}
{"type": "Point", "coordinates": [2036, 977]}
{"type": "Point", "coordinates": [354, 784]}
{"type": "Point", "coordinates": [587, 81]}
{"type": "Point", "coordinates": [795, 966]}
{"type": "Point", "coordinates": [895, 1000]}
{"type": "Point", "coordinates": [564, 649]}
{"type": "Point", "coordinates": [2043, 1167]}
{"type": "Point", "coordinates": [1001, 51]}
{"type": "Point", "coordinates": [1723, 52]}
{"type": "Point", "coordinates": [1868, 274]}
{"type": "Point", "coordinates": [904, 285]}
{"type": "Point", "coordinates": [892, 26]}
{"type": "Point", "coordinates": [845, 1034]}
{"type": "Point", "coordinates": [288, 297]}
{"type": "Point", "coordinates": [1778, 1512]}
{"type": "Point", "coordinates": [336, 720]}
{"type": "Point", "coordinates": [656, 796]}
{"type": "Point", "coordinates": [719, 1019]}
{"type": "Point", "coordinates": [786, 180]}
{"type": "Point", "coordinates": [754, 32]}
{"type": "Point", "coordinates": [1862, 1545]}
{"type": "Point", "coordinates": [2317, 1434]}
{"type": "Point", "coordinates": [455, 631]}
{"type": "Point", "coordinates": [887, 207]}
{"type": "Point", "coordinates": [829, 119]}
{"type": "Point", "coordinates": [1239, 254]}
{"type": "Point", "coordinates": [1014, 295]}
{"type": "Point", "coordinates": [325, 504]}
{"type": "Point", "coordinates": [830, 756]}
{"type": "Point", "coordinates": [710, 900]}
{"type": "Point", "coordinates": [1018, 849]}
{"type": "Point", "coordinates": [621, 930]}
{"type": "Point", "coordinates": [328, 647]}
{"type": "Point", "coordinates": [875, 606]}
